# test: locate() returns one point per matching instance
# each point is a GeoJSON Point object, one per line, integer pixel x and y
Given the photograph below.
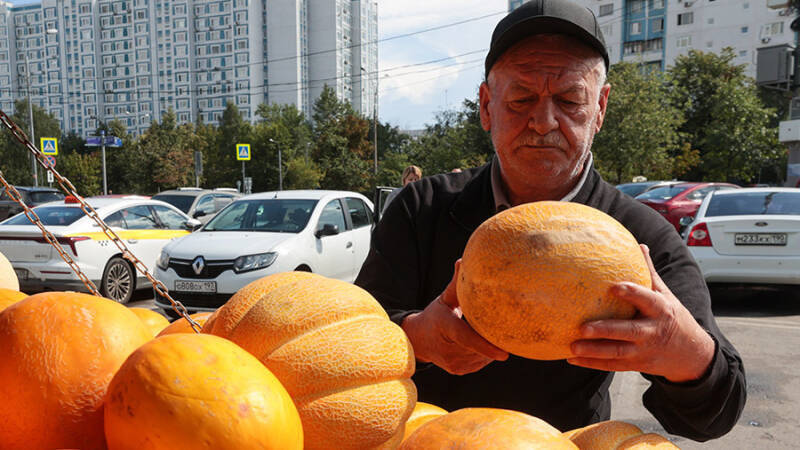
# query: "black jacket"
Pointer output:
{"type": "Point", "coordinates": [425, 230]}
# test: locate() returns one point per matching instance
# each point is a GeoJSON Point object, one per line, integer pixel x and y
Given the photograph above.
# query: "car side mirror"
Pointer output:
{"type": "Point", "coordinates": [199, 213]}
{"type": "Point", "coordinates": [193, 224]}
{"type": "Point", "coordinates": [686, 220]}
{"type": "Point", "coordinates": [328, 229]}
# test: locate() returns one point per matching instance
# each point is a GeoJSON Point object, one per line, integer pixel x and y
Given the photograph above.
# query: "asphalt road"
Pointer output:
{"type": "Point", "coordinates": [764, 325]}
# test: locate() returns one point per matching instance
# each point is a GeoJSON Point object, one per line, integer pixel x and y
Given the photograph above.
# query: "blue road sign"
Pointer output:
{"type": "Point", "coordinates": [49, 146]}
{"type": "Point", "coordinates": [243, 152]}
{"type": "Point", "coordinates": [97, 141]}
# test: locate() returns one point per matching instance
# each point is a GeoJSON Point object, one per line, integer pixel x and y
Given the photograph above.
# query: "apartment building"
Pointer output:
{"type": "Point", "coordinates": [655, 32]}
{"type": "Point", "coordinates": [92, 61]}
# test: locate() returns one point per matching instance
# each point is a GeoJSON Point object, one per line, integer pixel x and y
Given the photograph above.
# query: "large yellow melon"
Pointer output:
{"type": "Point", "coordinates": [345, 364]}
{"type": "Point", "coordinates": [487, 428]}
{"type": "Point", "coordinates": [9, 296]}
{"type": "Point", "coordinates": [8, 278]}
{"type": "Point", "coordinates": [605, 435]}
{"type": "Point", "coordinates": [197, 391]}
{"type": "Point", "coordinates": [58, 353]}
{"type": "Point", "coordinates": [154, 321]}
{"type": "Point", "coordinates": [423, 413]}
{"type": "Point", "coordinates": [649, 441]}
{"type": "Point", "coordinates": [533, 274]}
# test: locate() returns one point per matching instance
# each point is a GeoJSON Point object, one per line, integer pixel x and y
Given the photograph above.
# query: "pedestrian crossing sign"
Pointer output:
{"type": "Point", "coordinates": [49, 145]}
{"type": "Point", "coordinates": [243, 152]}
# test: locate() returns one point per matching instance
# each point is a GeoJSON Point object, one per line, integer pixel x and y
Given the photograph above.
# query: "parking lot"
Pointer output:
{"type": "Point", "coordinates": [764, 325]}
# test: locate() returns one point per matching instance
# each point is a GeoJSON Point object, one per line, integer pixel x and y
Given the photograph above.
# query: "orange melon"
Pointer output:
{"type": "Point", "coordinates": [58, 352]}
{"type": "Point", "coordinates": [191, 391]}
{"type": "Point", "coordinates": [423, 413]}
{"type": "Point", "coordinates": [154, 321]}
{"type": "Point", "coordinates": [649, 441]}
{"type": "Point", "coordinates": [345, 364]}
{"type": "Point", "coordinates": [605, 435]}
{"type": "Point", "coordinates": [533, 274]}
{"type": "Point", "coordinates": [9, 296]}
{"type": "Point", "coordinates": [182, 325]}
{"type": "Point", "coordinates": [8, 278]}
{"type": "Point", "coordinates": [482, 428]}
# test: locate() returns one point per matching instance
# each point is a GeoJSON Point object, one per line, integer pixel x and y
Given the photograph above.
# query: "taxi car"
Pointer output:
{"type": "Point", "coordinates": [144, 226]}
{"type": "Point", "coordinates": [324, 232]}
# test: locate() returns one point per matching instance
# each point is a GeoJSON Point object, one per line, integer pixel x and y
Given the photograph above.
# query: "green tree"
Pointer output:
{"type": "Point", "coordinates": [165, 155]}
{"type": "Point", "coordinates": [83, 171]}
{"type": "Point", "coordinates": [15, 159]}
{"type": "Point", "coordinates": [221, 168]}
{"type": "Point", "coordinates": [301, 173]}
{"type": "Point", "coordinates": [282, 127]}
{"type": "Point", "coordinates": [725, 118]}
{"type": "Point", "coordinates": [640, 131]}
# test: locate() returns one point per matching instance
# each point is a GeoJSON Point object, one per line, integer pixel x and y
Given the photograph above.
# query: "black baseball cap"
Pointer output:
{"type": "Point", "coordinates": [546, 17]}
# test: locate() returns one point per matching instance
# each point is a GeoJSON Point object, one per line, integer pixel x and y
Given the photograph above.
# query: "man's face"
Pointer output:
{"type": "Point", "coordinates": [543, 104]}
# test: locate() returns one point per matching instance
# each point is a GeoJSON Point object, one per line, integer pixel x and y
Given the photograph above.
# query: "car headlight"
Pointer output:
{"type": "Point", "coordinates": [163, 260]}
{"type": "Point", "coordinates": [254, 262]}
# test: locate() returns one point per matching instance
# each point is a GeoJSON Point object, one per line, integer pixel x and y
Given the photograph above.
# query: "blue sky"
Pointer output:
{"type": "Point", "coordinates": [410, 97]}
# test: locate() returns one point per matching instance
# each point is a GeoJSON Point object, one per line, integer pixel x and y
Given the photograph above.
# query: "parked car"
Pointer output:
{"type": "Point", "coordinates": [325, 232]}
{"type": "Point", "coordinates": [143, 225]}
{"type": "Point", "coordinates": [680, 200]}
{"type": "Point", "coordinates": [639, 187]}
{"type": "Point", "coordinates": [32, 196]}
{"type": "Point", "coordinates": [749, 235]}
{"type": "Point", "coordinates": [201, 204]}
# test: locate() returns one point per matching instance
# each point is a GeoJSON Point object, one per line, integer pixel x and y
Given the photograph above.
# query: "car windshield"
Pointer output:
{"type": "Point", "coordinates": [662, 193]}
{"type": "Point", "coordinates": [276, 215]}
{"type": "Point", "coordinates": [754, 203]}
{"type": "Point", "coordinates": [633, 189]}
{"type": "Point", "coordinates": [182, 202]}
{"type": "Point", "coordinates": [39, 197]}
{"type": "Point", "coordinates": [50, 216]}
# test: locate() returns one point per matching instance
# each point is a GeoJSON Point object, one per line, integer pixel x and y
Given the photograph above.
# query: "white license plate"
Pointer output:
{"type": "Point", "coordinates": [760, 239]}
{"type": "Point", "coordinates": [22, 274]}
{"type": "Point", "coordinates": [196, 286]}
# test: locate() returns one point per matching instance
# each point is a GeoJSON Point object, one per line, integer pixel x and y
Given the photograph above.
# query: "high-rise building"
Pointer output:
{"type": "Point", "coordinates": [655, 32]}
{"type": "Point", "coordinates": [91, 61]}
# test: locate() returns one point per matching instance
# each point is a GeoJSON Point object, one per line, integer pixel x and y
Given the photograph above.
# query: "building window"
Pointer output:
{"type": "Point", "coordinates": [658, 4]}
{"type": "Point", "coordinates": [636, 27]}
{"type": "Point", "coordinates": [742, 53]}
{"type": "Point", "coordinates": [636, 6]}
{"type": "Point", "coordinates": [685, 18]}
{"type": "Point", "coordinates": [684, 41]}
{"type": "Point", "coordinates": [710, 21]}
{"type": "Point", "coordinates": [606, 30]}
{"type": "Point", "coordinates": [606, 10]}
{"type": "Point", "coordinates": [657, 25]}
{"type": "Point", "coordinates": [745, 30]}
{"type": "Point", "coordinates": [772, 29]}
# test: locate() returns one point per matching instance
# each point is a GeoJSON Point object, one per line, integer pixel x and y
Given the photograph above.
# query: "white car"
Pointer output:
{"type": "Point", "coordinates": [325, 232]}
{"type": "Point", "coordinates": [144, 226]}
{"type": "Point", "coordinates": [749, 235]}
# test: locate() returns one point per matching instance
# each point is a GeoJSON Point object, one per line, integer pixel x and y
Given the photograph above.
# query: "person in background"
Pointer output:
{"type": "Point", "coordinates": [410, 174]}
{"type": "Point", "coordinates": [543, 100]}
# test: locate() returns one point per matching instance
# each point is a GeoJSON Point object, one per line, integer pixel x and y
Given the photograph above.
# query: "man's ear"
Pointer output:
{"type": "Point", "coordinates": [603, 104]}
{"type": "Point", "coordinates": [485, 97]}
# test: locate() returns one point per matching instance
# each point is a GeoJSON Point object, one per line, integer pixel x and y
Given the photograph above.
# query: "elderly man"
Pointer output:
{"type": "Point", "coordinates": [543, 101]}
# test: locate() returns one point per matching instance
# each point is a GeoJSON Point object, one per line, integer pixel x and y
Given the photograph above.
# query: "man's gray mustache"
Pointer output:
{"type": "Point", "coordinates": [550, 140]}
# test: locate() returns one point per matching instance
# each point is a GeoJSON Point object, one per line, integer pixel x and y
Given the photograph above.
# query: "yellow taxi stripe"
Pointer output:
{"type": "Point", "coordinates": [134, 234]}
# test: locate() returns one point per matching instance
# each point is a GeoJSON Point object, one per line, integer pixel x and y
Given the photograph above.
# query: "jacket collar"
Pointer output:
{"type": "Point", "coordinates": [475, 203]}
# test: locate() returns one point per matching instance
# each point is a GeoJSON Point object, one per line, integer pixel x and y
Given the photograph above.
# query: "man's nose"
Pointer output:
{"type": "Point", "coordinates": [542, 117]}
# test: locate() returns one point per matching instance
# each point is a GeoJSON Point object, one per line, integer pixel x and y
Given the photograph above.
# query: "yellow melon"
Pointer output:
{"type": "Point", "coordinates": [605, 435]}
{"type": "Point", "coordinates": [533, 274]}
{"type": "Point", "coordinates": [9, 296]}
{"type": "Point", "coordinates": [8, 278]}
{"type": "Point", "coordinates": [649, 441]}
{"type": "Point", "coordinates": [182, 325]}
{"type": "Point", "coordinates": [154, 321]}
{"type": "Point", "coordinates": [345, 364]}
{"type": "Point", "coordinates": [484, 428]}
{"type": "Point", "coordinates": [423, 413]}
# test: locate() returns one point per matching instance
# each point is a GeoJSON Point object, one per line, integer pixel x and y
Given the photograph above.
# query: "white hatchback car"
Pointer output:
{"type": "Point", "coordinates": [325, 232]}
{"type": "Point", "coordinates": [749, 235]}
{"type": "Point", "coordinates": [144, 226]}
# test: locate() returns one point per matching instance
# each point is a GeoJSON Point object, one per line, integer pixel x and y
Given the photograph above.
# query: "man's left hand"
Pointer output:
{"type": "Point", "coordinates": [662, 339]}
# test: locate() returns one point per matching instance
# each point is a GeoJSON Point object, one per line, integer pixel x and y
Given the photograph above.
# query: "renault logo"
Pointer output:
{"type": "Point", "coordinates": [198, 265]}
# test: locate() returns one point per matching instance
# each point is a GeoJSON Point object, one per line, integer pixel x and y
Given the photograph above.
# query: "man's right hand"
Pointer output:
{"type": "Point", "coordinates": [438, 335]}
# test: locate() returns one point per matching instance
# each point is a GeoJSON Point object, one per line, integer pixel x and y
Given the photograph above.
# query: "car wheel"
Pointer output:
{"type": "Point", "coordinates": [118, 280]}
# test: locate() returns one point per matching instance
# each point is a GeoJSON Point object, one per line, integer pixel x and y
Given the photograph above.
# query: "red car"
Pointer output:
{"type": "Point", "coordinates": [680, 200]}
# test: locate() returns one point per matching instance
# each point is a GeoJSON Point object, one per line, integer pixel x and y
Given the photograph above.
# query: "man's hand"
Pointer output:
{"type": "Point", "coordinates": [663, 339]}
{"type": "Point", "coordinates": [438, 335]}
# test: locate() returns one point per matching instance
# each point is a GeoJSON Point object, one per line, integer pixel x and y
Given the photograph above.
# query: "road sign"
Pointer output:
{"type": "Point", "coordinates": [50, 178]}
{"type": "Point", "coordinates": [50, 161]}
{"type": "Point", "coordinates": [49, 145]}
{"type": "Point", "coordinates": [97, 141]}
{"type": "Point", "coordinates": [243, 152]}
{"type": "Point", "coordinates": [113, 141]}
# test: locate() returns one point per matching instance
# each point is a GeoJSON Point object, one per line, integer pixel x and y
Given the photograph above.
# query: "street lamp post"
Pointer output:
{"type": "Point", "coordinates": [280, 167]}
{"type": "Point", "coordinates": [103, 152]}
{"type": "Point", "coordinates": [34, 169]}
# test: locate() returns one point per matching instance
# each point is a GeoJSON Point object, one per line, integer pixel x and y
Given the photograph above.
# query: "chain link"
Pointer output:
{"type": "Point", "coordinates": [68, 188]}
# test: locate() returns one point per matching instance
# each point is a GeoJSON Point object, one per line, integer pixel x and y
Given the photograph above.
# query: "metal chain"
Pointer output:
{"type": "Point", "coordinates": [67, 187]}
